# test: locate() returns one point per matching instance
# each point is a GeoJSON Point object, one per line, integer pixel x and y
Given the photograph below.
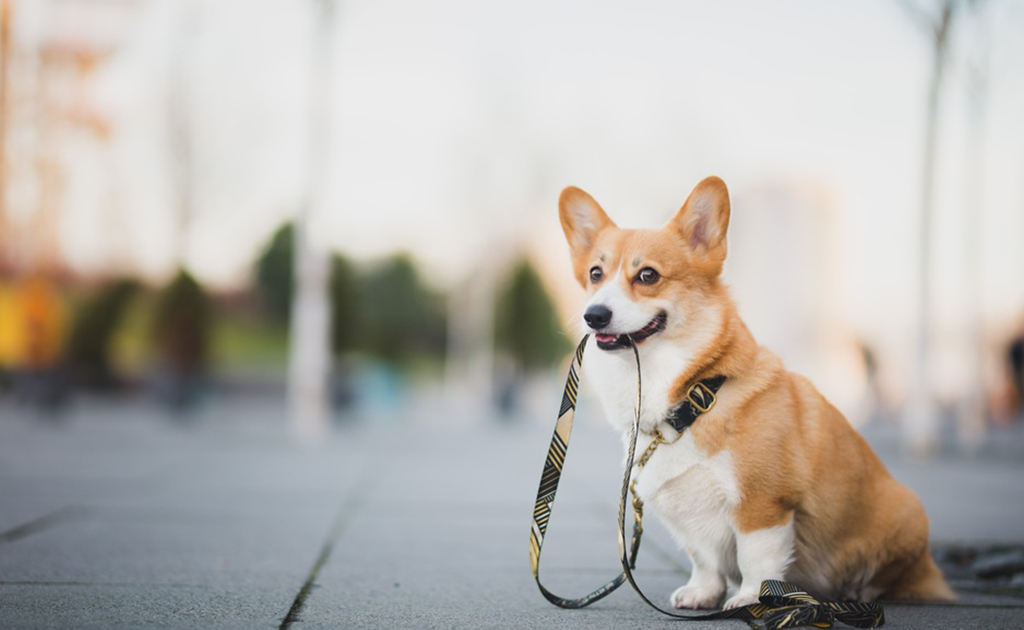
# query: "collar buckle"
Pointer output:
{"type": "Point", "coordinates": [701, 397]}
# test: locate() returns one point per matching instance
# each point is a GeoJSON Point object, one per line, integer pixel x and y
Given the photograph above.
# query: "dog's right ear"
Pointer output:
{"type": "Point", "coordinates": [703, 221]}
{"type": "Point", "coordinates": [582, 220]}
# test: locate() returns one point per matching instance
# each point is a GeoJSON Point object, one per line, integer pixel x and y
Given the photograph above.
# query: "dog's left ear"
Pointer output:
{"type": "Point", "coordinates": [582, 220]}
{"type": "Point", "coordinates": [703, 221]}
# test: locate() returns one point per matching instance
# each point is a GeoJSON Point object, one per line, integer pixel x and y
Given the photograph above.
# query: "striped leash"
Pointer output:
{"type": "Point", "coordinates": [781, 605]}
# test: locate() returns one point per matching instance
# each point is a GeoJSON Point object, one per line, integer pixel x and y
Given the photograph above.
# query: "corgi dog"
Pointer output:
{"type": "Point", "coordinates": [771, 482]}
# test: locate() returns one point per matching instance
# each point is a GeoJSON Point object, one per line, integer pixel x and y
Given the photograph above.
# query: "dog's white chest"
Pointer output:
{"type": "Point", "coordinates": [695, 495]}
{"type": "Point", "coordinates": [683, 484]}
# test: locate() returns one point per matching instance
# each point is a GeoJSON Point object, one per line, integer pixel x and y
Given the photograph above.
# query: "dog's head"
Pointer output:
{"type": "Point", "coordinates": [647, 283]}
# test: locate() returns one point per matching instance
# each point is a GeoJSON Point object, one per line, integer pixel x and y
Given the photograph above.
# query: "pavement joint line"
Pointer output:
{"type": "Point", "coordinates": [352, 504]}
{"type": "Point", "coordinates": [54, 518]}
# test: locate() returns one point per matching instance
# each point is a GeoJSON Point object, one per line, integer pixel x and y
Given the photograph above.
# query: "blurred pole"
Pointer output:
{"type": "Point", "coordinates": [920, 425]}
{"type": "Point", "coordinates": [6, 13]}
{"type": "Point", "coordinates": [972, 418]}
{"type": "Point", "coordinates": [309, 348]}
{"type": "Point", "coordinates": [469, 356]}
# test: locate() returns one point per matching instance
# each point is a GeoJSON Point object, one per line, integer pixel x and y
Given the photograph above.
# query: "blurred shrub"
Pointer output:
{"type": "Point", "coordinates": [182, 324]}
{"type": "Point", "coordinates": [182, 328]}
{"type": "Point", "coordinates": [275, 283]}
{"type": "Point", "coordinates": [399, 318]}
{"type": "Point", "coordinates": [246, 340]}
{"type": "Point", "coordinates": [344, 305]}
{"type": "Point", "coordinates": [526, 324]}
{"type": "Point", "coordinates": [96, 321]}
{"type": "Point", "coordinates": [274, 272]}
{"type": "Point", "coordinates": [386, 311]}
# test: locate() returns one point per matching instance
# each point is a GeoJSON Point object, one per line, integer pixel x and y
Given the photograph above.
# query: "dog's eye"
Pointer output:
{"type": "Point", "coordinates": [596, 275]}
{"type": "Point", "coordinates": [647, 276]}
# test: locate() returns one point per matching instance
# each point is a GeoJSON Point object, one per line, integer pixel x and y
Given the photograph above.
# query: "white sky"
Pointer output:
{"type": "Point", "coordinates": [458, 121]}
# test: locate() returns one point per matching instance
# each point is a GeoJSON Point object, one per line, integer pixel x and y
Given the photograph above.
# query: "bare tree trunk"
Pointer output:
{"type": "Point", "coordinates": [972, 418]}
{"type": "Point", "coordinates": [920, 427]}
{"type": "Point", "coordinates": [469, 357]}
{"type": "Point", "coordinates": [309, 347]}
{"type": "Point", "coordinates": [182, 145]}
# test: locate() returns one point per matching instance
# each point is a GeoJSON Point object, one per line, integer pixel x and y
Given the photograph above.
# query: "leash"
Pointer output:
{"type": "Point", "coordinates": [781, 605]}
{"type": "Point", "coordinates": [549, 479]}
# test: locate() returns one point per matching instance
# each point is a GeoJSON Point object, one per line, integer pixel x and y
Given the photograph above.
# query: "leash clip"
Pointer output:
{"type": "Point", "coordinates": [701, 397]}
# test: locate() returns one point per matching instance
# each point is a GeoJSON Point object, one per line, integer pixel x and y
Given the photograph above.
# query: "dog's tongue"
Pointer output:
{"type": "Point", "coordinates": [605, 338]}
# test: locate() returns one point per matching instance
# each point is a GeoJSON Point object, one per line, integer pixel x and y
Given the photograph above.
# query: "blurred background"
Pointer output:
{"type": "Point", "coordinates": [348, 210]}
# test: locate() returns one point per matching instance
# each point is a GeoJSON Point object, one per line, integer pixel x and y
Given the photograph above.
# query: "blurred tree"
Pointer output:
{"type": "Point", "coordinates": [182, 326]}
{"type": "Point", "coordinates": [344, 290]}
{"type": "Point", "coordinates": [386, 311]}
{"type": "Point", "coordinates": [399, 317]}
{"type": "Point", "coordinates": [973, 412]}
{"type": "Point", "coordinates": [526, 323]}
{"type": "Point", "coordinates": [95, 324]}
{"type": "Point", "coordinates": [275, 272]}
{"type": "Point", "coordinates": [275, 282]}
{"type": "Point", "coordinates": [936, 19]}
{"type": "Point", "coordinates": [344, 296]}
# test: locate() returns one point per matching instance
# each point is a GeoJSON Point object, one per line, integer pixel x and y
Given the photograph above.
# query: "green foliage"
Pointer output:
{"type": "Point", "coordinates": [385, 311]}
{"type": "Point", "coordinates": [399, 317]}
{"type": "Point", "coordinates": [96, 321]}
{"type": "Point", "coordinates": [183, 323]}
{"type": "Point", "coordinates": [245, 340]}
{"type": "Point", "coordinates": [275, 272]}
{"type": "Point", "coordinates": [344, 290]}
{"type": "Point", "coordinates": [526, 323]}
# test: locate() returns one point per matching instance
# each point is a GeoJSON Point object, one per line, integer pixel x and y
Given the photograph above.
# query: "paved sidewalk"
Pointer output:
{"type": "Point", "coordinates": [118, 517]}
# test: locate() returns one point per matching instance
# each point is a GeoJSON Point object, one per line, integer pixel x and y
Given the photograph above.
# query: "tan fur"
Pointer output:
{"type": "Point", "coordinates": [795, 455]}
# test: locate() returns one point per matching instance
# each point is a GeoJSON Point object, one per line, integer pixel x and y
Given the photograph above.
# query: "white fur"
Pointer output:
{"type": "Point", "coordinates": [763, 554]}
{"type": "Point", "coordinates": [614, 375]}
{"type": "Point", "coordinates": [627, 315]}
{"type": "Point", "coordinates": [704, 590]}
{"type": "Point", "coordinates": [695, 495]}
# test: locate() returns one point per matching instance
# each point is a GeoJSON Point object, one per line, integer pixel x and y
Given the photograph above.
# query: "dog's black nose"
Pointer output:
{"type": "Point", "coordinates": [598, 316]}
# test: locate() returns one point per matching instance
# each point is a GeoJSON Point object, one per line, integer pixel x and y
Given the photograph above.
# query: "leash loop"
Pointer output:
{"type": "Point", "coordinates": [549, 480]}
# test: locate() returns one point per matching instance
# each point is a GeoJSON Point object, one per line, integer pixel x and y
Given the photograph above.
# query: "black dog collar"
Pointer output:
{"type": "Point", "coordinates": [700, 399]}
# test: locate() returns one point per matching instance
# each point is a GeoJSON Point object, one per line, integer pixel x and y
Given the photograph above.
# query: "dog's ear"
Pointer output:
{"type": "Point", "coordinates": [582, 220]}
{"type": "Point", "coordinates": [703, 221]}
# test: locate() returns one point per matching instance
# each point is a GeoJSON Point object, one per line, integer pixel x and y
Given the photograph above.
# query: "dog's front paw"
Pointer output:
{"type": "Point", "coordinates": [741, 599]}
{"type": "Point", "coordinates": [697, 597]}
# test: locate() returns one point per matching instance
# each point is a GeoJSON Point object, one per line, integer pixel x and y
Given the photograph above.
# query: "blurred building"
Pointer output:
{"type": "Point", "coordinates": [783, 269]}
{"type": "Point", "coordinates": [53, 131]}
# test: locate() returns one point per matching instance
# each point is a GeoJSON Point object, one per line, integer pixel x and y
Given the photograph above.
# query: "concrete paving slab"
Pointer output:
{"type": "Point", "coordinates": [101, 606]}
{"type": "Point", "coordinates": [169, 547]}
{"type": "Point", "coordinates": [220, 523]}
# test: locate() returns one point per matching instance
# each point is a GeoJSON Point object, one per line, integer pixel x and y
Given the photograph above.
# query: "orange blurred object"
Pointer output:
{"type": "Point", "coordinates": [33, 324]}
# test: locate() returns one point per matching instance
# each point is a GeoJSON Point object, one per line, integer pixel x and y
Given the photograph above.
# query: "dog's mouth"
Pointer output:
{"type": "Point", "coordinates": [616, 342]}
